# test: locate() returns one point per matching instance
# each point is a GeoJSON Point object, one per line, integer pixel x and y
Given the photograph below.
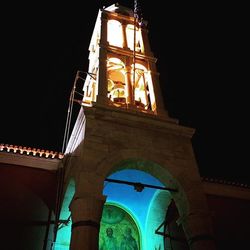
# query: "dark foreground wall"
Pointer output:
{"type": "Point", "coordinates": [27, 196]}
{"type": "Point", "coordinates": [231, 220]}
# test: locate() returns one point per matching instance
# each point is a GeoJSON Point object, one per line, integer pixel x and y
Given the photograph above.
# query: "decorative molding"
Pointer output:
{"type": "Point", "coordinates": [31, 151]}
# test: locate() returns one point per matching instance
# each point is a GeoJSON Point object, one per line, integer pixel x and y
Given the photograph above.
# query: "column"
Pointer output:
{"type": "Point", "coordinates": [147, 49]}
{"type": "Point", "coordinates": [102, 96]}
{"type": "Point", "coordinates": [198, 229]}
{"type": "Point", "coordinates": [101, 81]}
{"type": "Point", "coordinates": [125, 43]}
{"type": "Point", "coordinates": [130, 99]}
{"type": "Point", "coordinates": [160, 107]}
{"type": "Point", "coordinates": [86, 214]}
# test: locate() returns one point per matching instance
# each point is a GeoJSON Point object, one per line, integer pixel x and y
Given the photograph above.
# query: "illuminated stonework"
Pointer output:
{"type": "Point", "coordinates": [122, 71]}
{"type": "Point", "coordinates": [134, 36]}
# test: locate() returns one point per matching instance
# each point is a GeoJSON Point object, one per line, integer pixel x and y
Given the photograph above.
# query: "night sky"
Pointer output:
{"type": "Point", "coordinates": [198, 47]}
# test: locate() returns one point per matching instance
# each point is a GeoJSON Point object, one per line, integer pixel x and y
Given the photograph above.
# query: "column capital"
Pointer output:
{"type": "Point", "coordinates": [87, 208]}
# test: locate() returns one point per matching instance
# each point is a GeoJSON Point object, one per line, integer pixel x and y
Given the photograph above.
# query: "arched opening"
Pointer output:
{"type": "Point", "coordinates": [24, 219]}
{"type": "Point", "coordinates": [64, 228]}
{"type": "Point", "coordinates": [117, 87]}
{"type": "Point", "coordinates": [90, 87]}
{"type": "Point", "coordinates": [26, 207]}
{"type": "Point", "coordinates": [130, 33]}
{"type": "Point", "coordinates": [151, 204]}
{"type": "Point", "coordinates": [140, 203]}
{"type": "Point", "coordinates": [115, 36]}
{"type": "Point", "coordinates": [141, 79]}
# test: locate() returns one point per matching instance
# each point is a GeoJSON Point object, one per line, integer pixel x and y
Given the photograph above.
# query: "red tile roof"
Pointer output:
{"type": "Point", "coordinates": [31, 151]}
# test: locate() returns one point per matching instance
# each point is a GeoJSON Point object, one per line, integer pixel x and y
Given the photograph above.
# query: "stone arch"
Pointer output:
{"type": "Point", "coordinates": [115, 34]}
{"type": "Point", "coordinates": [116, 79]}
{"type": "Point", "coordinates": [143, 86]}
{"type": "Point", "coordinates": [24, 216]}
{"type": "Point", "coordinates": [189, 200]}
{"type": "Point", "coordinates": [145, 161]}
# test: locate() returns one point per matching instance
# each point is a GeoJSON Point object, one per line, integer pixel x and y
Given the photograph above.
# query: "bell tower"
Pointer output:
{"type": "Point", "coordinates": [123, 124]}
{"type": "Point", "coordinates": [122, 71]}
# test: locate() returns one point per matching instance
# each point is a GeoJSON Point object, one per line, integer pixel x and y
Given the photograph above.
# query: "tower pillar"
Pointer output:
{"type": "Point", "coordinates": [101, 74]}
{"type": "Point", "coordinates": [86, 211]}
{"type": "Point", "coordinates": [198, 230]}
{"type": "Point", "coordinates": [86, 214]}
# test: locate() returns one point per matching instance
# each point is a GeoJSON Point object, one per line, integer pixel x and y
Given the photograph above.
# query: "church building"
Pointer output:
{"type": "Point", "coordinates": [128, 177]}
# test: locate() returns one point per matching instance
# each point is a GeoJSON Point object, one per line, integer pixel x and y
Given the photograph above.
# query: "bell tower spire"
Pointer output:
{"type": "Point", "coordinates": [121, 65]}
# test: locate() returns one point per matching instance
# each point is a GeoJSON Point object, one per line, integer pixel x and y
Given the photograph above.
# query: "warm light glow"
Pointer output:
{"type": "Point", "coordinates": [90, 89]}
{"type": "Point", "coordinates": [140, 86]}
{"type": "Point", "coordinates": [151, 90]}
{"type": "Point", "coordinates": [116, 81]}
{"type": "Point", "coordinates": [115, 36]}
{"type": "Point", "coordinates": [138, 38]}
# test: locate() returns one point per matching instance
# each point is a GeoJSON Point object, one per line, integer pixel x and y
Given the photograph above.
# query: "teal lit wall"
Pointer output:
{"type": "Point", "coordinates": [64, 231]}
{"type": "Point", "coordinates": [156, 215]}
{"type": "Point", "coordinates": [143, 206]}
{"type": "Point", "coordinates": [142, 211]}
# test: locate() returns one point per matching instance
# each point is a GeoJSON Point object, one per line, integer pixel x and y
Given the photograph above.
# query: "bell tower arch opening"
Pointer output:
{"type": "Point", "coordinates": [117, 86]}
{"type": "Point", "coordinates": [115, 34]}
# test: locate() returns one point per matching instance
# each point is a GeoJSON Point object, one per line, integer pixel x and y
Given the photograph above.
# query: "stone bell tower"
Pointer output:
{"type": "Point", "coordinates": [122, 117]}
{"type": "Point", "coordinates": [122, 70]}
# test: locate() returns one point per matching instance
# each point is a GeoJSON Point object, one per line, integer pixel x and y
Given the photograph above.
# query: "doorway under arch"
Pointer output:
{"type": "Point", "coordinates": [140, 205]}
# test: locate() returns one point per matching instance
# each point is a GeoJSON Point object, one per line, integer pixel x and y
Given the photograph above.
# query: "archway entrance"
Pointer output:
{"type": "Point", "coordinates": [129, 206]}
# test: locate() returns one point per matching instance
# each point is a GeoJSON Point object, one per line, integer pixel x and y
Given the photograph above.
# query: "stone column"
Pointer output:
{"type": "Point", "coordinates": [125, 42]}
{"type": "Point", "coordinates": [102, 97]}
{"type": "Point", "coordinates": [160, 107]}
{"type": "Point", "coordinates": [147, 49]}
{"type": "Point", "coordinates": [130, 99]}
{"type": "Point", "coordinates": [86, 214]}
{"type": "Point", "coordinates": [198, 229]}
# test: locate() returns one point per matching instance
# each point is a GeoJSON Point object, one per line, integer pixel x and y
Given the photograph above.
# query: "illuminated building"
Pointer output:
{"type": "Point", "coordinates": [128, 169]}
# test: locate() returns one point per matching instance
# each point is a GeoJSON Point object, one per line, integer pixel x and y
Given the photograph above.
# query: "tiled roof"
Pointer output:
{"type": "Point", "coordinates": [226, 182]}
{"type": "Point", "coordinates": [31, 151]}
{"type": "Point", "coordinates": [58, 155]}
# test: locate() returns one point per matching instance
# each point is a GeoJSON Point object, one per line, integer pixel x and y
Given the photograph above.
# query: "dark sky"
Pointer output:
{"type": "Point", "coordinates": [198, 46]}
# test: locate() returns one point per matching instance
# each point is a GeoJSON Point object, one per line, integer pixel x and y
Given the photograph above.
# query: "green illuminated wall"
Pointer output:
{"type": "Point", "coordinates": [125, 209]}
{"type": "Point", "coordinates": [64, 231]}
{"type": "Point", "coordinates": [156, 215]}
{"type": "Point", "coordinates": [118, 230]}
